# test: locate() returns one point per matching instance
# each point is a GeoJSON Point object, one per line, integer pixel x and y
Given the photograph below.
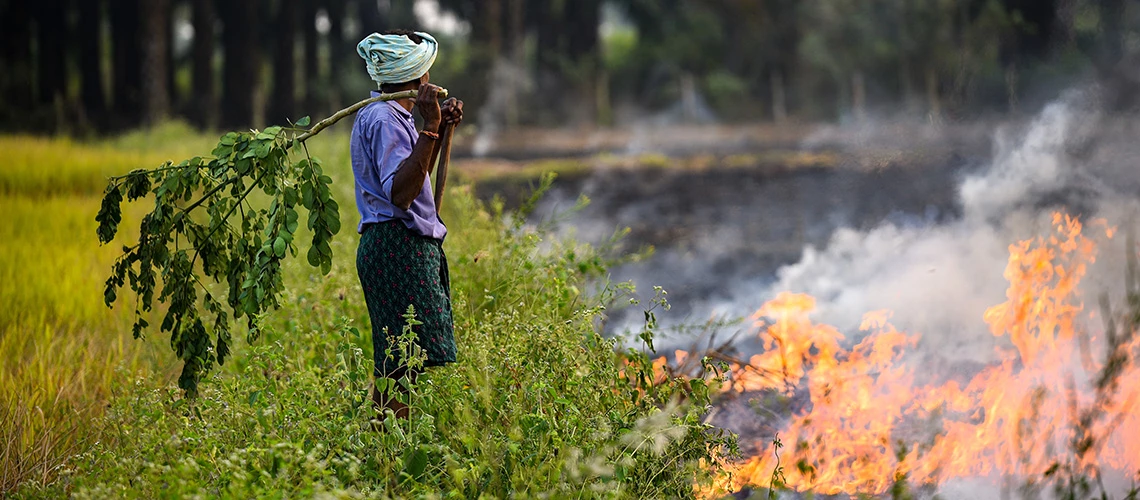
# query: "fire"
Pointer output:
{"type": "Point", "coordinates": [869, 423]}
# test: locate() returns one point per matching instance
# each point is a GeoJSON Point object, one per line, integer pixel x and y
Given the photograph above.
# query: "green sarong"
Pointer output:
{"type": "Point", "coordinates": [398, 267]}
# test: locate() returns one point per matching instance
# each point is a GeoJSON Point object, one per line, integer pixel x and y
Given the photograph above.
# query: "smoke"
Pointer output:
{"type": "Point", "coordinates": [926, 235]}
{"type": "Point", "coordinates": [939, 279]}
{"type": "Point", "coordinates": [508, 80]}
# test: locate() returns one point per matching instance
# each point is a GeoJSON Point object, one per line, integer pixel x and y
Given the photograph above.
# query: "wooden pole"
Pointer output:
{"type": "Point", "coordinates": [441, 171]}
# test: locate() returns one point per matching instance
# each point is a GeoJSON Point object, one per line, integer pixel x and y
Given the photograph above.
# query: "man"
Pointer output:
{"type": "Point", "coordinates": [400, 259]}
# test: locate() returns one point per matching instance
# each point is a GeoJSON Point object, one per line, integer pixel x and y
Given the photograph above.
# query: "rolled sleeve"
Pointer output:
{"type": "Point", "coordinates": [391, 147]}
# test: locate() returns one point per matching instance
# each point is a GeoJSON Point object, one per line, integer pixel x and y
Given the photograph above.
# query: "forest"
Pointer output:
{"type": "Point", "coordinates": [97, 66]}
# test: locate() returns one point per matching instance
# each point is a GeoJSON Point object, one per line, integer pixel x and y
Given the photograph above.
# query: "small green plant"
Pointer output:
{"type": "Point", "coordinates": [778, 480]}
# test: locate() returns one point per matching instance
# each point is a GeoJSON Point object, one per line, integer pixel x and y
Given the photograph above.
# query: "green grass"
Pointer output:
{"type": "Point", "coordinates": [539, 404]}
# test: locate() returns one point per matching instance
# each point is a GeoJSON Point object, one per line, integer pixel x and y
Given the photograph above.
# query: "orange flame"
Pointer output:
{"type": "Point", "coordinates": [868, 424]}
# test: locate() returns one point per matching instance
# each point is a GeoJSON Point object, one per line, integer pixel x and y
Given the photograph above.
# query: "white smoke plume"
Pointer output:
{"type": "Point", "coordinates": [939, 279]}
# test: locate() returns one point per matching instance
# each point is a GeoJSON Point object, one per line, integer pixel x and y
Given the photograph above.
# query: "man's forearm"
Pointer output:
{"type": "Point", "coordinates": [409, 178]}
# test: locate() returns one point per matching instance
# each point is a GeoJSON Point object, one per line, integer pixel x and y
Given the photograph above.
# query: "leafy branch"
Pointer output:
{"type": "Point", "coordinates": [190, 236]}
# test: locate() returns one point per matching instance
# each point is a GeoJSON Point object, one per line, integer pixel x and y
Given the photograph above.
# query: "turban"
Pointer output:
{"type": "Point", "coordinates": [396, 58]}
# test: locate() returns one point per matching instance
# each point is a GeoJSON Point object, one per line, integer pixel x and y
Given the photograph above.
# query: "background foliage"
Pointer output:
{"type": "Point", "coordinates": [99, 65]}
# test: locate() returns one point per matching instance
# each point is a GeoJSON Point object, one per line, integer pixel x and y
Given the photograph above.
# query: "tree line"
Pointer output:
{"type": "Point", "coordinates": [106, 65]}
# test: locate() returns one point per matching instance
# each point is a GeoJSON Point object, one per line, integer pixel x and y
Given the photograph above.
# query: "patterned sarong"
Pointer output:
{"type": "Point", "coordinates": [398, 267]}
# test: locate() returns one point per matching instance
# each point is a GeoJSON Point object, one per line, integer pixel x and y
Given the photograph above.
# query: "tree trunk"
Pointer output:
{"type": "Point", "coordinates": [604, 111]}
{"type": "Point", "coordinates": [582, 46]}
{"type": "Point", "coordinates": [16, 81]}
{"type": "Point", "coordinates": [492, 24]}
{"type": "Point", "coordinates": [240, 79]}
{"type": "Point", "coordinates": [582, 29]}
{"type": "Point", "coordinates": [51, 33]}
{"type": "Point", "coordinates": [339, 51]}
{"type": "Point", "coordinates": [1011, 84]}
{"type": "Point", "coordinates": [1111, 46]}
{"type": "Point", "coordinates": [549, 40]}
{"type": "Point", "coordinates": [515, 52]}
{"type": "Point", "coordinates": [283, 103]}
{"type": "Point", "coordinates": [156, 65]}
{"type": "Point", "coordinates": [90, 53]}
{"type": "Point", "coordinates": [934, 101]}
{"type": "Point", "coordinates": [370, 19]}
{"type": "Point", "coordinates": [911, 99]}
{"type": "Point", "coordinates": [312, 68]}
{"type": "Point", "coordinates": [204, 110]}
{"type": "Point", "coordinates": [859, 96]}
{"type": "Point", "coordinates": [126, 59]}
{"type": "Point", "coordinates": [171, 61]}
{"type": "Point", "coordinates": [779, 98]}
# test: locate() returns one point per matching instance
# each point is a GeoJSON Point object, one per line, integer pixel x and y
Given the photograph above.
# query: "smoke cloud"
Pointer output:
{"type": "Point", "coordinates": [939, 279]}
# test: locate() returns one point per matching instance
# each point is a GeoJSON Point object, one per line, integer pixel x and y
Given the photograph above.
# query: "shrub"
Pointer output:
{"type": "Point", "coordinates": [540, 403]}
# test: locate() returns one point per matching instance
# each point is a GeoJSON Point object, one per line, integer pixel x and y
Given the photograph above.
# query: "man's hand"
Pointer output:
{"type": "Point", "coordinates": [427, 101]}
{"type": "Point", "coordinates": [452, 111]}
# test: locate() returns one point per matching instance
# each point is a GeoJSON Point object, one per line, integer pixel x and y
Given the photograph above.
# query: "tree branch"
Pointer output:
{"type": "Point", "coordinates": [152, 171]}
{"type": "Point", "coordinates": [197, 249]}
{"type": "Point", "coordinates": [339, 115]}
{"type": "Point", "coordinates": [211, 193]}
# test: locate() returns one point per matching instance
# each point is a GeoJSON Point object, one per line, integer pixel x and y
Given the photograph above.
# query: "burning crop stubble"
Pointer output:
{"type": "Point", "coordinates": [940, 386]}
{"type": "Point", "coordinates": [913, 406]}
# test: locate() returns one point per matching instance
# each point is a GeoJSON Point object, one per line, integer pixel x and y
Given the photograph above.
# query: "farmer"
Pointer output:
{"type": "Point", "coordinates": [400, 259]}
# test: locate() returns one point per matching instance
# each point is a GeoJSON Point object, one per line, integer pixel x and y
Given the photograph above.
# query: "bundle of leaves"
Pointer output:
{"type": "Point", "coordinates": [539, 404]}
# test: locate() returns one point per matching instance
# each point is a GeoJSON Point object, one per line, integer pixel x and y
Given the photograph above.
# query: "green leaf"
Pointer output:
{"type": "Point", "coordinates": [333, 221]}
{"type": "Point", "coordinates": [415, 463]}
{"type": "Point", "coordinates": [243, 165]}
{"type": "Point", "coordinates": [291, 218]}
{"type": "Point", "coordinates": [262, 148]}
{"type": "Point", "coordinates": [279, 247]}
{"type": "Point", "coordinates": [314, 216]}
{"type": "Point", "coordinates": [314, 256]}
{"type": "Point", "coordinates": [307, 195]}
{"type": "Point", "coordinates": [110, 214]}
{"type": "Point", "coordinates": [303, 122]}
{"type": "Point", "coordinates": [290, 196]}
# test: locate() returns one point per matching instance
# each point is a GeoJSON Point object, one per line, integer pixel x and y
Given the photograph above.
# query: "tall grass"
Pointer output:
{"type": "Point", "coordinates": [60, 347]}
{"type": "Point", "coordinates": [39, 166]}
{"type": "Point", "coordinates": [539, 404]}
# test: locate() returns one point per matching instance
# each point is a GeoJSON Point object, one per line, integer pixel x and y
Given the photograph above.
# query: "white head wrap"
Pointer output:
{"type": "Point", "coordinates": [396, 58]}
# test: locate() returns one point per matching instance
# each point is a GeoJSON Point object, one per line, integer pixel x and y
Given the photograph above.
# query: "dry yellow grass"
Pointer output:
{"type": "Point", "coordinates": [60, 346]}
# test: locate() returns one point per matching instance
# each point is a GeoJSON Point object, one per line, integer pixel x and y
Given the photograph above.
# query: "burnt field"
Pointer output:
{"type": "Point", "coordinates": [877, 287]}
{"type": "Point", "coordinates": [722, 220]}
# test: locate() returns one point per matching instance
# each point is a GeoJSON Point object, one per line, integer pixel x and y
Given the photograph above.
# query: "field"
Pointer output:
{"type": "Point", "coordinates": [539, 404]}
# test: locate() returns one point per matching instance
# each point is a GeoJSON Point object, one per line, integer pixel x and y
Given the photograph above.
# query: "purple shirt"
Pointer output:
{"type": "Point", "coordinates": [383, 136]}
